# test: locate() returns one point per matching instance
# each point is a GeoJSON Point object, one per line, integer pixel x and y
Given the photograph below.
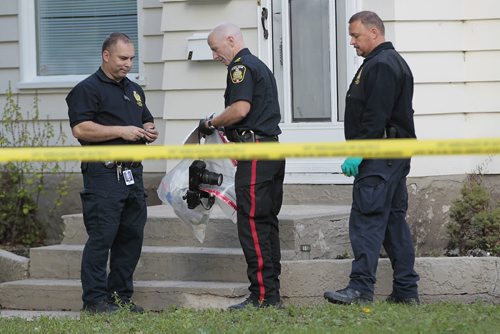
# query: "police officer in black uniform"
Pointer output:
{"type": "Point", "coordinates": [378, 105]}
{"type": "Point", "coordinates": [252, 115]}
{"type": "Point", "coordinates": [109, 109]}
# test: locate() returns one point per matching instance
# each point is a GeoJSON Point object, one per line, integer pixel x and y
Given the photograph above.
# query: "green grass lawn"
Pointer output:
{"type": "Point", "coordinates": [325, 318]}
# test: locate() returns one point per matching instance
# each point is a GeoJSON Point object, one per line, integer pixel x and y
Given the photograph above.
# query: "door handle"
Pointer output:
{"type": "Point", "coordinates": [263, 18]}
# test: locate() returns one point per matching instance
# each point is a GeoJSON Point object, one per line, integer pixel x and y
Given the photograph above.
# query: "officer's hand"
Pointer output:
{"type": "Point", "coordinates": [350, 166]}
{"type": "Point", "coordinates": [132, 133]}
{"type": "Point", "coordinates": [151, 132]}
{"type": "Point", "coordinates": [203, 127]}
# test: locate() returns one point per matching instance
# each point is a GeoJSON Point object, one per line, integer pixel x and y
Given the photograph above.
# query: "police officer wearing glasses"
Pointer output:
{"type": "Point", "coordinates": [252, 115]}
{"type": "Point", "coordinates": [109, 109]}
{"type": "Point", "coordinates": [378, 105]}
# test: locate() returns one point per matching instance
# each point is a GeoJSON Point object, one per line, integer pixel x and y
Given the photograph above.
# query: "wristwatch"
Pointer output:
{"type": "Point", "coordinates": [210, 125]}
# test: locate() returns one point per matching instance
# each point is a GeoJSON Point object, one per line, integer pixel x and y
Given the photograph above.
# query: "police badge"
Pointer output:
{"type": "Point", "coordinates": [138, 99]}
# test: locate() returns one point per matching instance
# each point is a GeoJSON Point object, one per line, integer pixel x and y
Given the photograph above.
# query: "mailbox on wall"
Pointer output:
{"type": "Point", "coordinates": [198, 48]}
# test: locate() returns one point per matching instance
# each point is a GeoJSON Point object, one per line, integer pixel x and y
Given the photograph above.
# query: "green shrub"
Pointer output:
{"type": "Point", "coordinates": [23, 183]}
{"type": "Point", "coordinates": [475, 226]}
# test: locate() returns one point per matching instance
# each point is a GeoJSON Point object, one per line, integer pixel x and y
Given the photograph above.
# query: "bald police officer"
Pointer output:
{"type": "Point", "coordinates": [252, 115]}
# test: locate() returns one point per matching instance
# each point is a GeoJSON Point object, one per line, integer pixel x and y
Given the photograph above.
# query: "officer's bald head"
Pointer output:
{"type": "Point", "coordinates": [226, 30]}
{"type": "Point", "coordinates": [225, 40]}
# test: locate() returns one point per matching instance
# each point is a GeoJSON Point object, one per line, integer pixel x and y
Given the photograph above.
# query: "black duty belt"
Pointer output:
{"type": "Point", "coordinates": [123, 164]}
{"type": "Point", "coordinates": [266, 138]}
{"type": "Point", "coordinates": [248, 136]}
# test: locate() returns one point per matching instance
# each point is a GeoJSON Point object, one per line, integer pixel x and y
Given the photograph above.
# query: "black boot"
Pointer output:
{"type": "Point", "coordinates": [102, 306]}
{"type": "Point", "coordinates": [347, 296]}
{"type": "Point", "coordinates": [394, 299]}
{"type": "Point", "coordinates": [127, 304]}
{"type": "Point", "coordinates": [250, 302]}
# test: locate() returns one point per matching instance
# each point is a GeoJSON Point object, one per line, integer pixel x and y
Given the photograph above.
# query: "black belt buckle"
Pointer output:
{"type": "Point", "coordinates": [247, 136]}
{"type": "Point", "coordinates": [109, 164]}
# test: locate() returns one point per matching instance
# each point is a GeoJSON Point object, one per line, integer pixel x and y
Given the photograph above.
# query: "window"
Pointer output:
{"type": "Point", "coordinates": [60, 40]}
{"type": "Point", "coordinates": [70, 33]}
{"type": "Point", "coordinates": [310, 60]}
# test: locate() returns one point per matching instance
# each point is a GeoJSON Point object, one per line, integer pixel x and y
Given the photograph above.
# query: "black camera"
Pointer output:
{"type": "Point", "coordinates": [198, 174]}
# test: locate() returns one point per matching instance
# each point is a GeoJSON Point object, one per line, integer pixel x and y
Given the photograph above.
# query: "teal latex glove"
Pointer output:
{"type": "Point", "coordinates": [350, 166]}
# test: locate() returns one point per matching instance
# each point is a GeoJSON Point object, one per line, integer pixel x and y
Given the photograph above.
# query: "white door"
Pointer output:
{"type": "Point", "coordinates": [305, 42]}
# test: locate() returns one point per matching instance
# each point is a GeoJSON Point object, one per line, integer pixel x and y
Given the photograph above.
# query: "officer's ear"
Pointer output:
{"type": "Point", "coordinates": [230, 40]}
{"type": "Point", "coordinates": [105, 55]}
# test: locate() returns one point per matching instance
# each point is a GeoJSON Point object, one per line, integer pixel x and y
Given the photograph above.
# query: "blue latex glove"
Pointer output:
{"type": "Point", "coordinates": [350, 166]}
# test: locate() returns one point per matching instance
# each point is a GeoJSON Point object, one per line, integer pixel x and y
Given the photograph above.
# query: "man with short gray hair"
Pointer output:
{"type": "Point", "coordinates": [378, 105]}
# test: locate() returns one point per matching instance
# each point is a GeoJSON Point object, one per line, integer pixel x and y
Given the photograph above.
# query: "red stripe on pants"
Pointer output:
{"type": "Point", "coordinates": [255, 236]}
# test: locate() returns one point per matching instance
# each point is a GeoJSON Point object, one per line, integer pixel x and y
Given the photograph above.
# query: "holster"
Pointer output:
{"type": "Point", "coordinates": [246, 136]}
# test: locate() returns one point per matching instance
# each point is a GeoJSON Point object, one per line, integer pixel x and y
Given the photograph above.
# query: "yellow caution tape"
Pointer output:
{"type": "Point", "coordinates": [384, 148]}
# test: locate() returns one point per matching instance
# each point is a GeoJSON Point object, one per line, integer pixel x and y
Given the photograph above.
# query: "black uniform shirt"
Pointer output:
{"type": "Point", "coordinates": [249, 79]}
{"type": "Point", "coordinates": [380, 96]}
{"type": "Point", "coordinates": [106, 102]}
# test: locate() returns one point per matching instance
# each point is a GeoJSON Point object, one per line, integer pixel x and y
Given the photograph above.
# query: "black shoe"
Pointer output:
{"type": "Point", "coordinates": [244, 304]}
{"type": "Point", "coordinates": [402, 300]}
{"type": "Point", "coordinates": [129, 305]}
{"type": "Point", "coordinates": [249, 302]}
{"type": "Point", "coordinates": [102, 306]}
{"type": "Point", "coordinates": [347, 296]}
{"type": "Point", "coordinates": [132, 307]}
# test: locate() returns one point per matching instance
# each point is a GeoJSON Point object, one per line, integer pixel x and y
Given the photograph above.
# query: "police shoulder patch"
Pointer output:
{"type": "Point", "coordinates": [238, 73]}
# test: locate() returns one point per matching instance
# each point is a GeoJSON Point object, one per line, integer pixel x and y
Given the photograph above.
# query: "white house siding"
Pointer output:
{"type": "Point", "coordinates": [9, 37]}
{"type": "Point", "coordinates": [152, 70]}
{"type": "Point", "coordinates": [453, 49]}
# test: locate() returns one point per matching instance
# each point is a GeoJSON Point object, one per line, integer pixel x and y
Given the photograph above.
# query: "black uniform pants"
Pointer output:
{"type": "Point", "coordinates": [114, 215]}
{"type": "Point", "coordinates": [259, 195]}
{"type": "Point", "coordinates": [378, 217]}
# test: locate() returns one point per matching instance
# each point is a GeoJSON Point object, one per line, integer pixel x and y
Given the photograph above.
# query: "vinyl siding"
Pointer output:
{"type": "Point", "coordinates": [453, 49]}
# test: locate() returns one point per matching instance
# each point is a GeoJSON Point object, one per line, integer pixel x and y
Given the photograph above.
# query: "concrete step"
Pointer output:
{"type": "Point", "coordinates": [156, 263]}
{"type": "Point", "coordinates": [175, 269]}
{"type": "Point", "coordinates": [323, 227]}
{"type": "Point", "coordinates": [51, 295]}
{"type": "Point", "coordinates": [460, 279]}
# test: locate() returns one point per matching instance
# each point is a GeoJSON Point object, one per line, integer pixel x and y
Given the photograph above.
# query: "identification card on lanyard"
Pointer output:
{"type": "Point", "coordinates": [128, 177]}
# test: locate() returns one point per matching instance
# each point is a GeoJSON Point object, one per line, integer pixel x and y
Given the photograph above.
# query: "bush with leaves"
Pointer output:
{"type": "Point", "coordinates": [22, 183]}
{"type": "Point", "coordinates": [475, 226]}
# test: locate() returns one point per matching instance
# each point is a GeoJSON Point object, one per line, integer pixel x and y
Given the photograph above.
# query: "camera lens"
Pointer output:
{"type": "Point", "coordinates": [211, 178]}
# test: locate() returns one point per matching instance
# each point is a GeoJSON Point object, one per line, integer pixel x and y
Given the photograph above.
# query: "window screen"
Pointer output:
{"type": "Point", "coordinates": [70, 33]}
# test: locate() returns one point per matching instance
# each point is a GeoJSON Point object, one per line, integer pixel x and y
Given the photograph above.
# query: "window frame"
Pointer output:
{"type": "Point", "coordinates": [29, 79]}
